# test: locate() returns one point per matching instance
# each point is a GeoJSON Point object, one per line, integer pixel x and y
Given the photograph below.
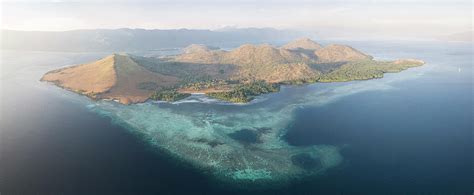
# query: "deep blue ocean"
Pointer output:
{"type": "Point", "coordinates": [414, 137]}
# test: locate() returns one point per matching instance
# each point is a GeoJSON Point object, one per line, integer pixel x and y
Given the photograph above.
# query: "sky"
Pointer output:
{"type": "Point", "coordinates": [415, 18]}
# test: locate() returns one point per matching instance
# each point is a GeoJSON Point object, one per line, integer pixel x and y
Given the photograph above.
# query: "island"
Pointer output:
{"type": "Point", "coordinates": [238, 75]}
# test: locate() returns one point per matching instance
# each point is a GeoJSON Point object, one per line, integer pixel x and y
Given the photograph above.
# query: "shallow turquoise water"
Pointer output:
{"type": "Point", "coordinates": [409, 129]}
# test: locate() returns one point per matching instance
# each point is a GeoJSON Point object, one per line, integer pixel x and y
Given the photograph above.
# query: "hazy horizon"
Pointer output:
{"type": "Point", "coordinates": [383, 18]}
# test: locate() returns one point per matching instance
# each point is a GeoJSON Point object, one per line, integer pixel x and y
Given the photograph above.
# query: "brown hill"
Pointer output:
{"type": "Point", "coordinates": [302, 43]}
{"type": "Point", "coordinates": [203, 54]}
{"type": "Point", "coordinates": [200, 55]}
{"type": "Point", "coordinates": [115, 77]}
{"type": "Point", "coordinates": [89, 79]}
{"type": "Point", "coordinates": [258, 55]}
{"type": "Point", "coordinates": [264, 62]}
{"type": "Point", "coordinates": [254, 62]}
{"type": "Point", "coordinates": [339, 53]}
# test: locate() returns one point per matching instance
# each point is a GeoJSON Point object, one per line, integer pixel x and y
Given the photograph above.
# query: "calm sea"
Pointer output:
{"type": "Point", "coordinates": [415, 137]}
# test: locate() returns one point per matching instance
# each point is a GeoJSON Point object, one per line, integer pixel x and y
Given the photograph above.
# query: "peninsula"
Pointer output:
{"type": "Point", "coordinates": [237, 76]}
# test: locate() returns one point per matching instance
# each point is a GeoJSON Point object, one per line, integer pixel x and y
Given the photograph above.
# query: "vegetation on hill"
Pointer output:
{"type": "Point", "coordinates": [202, 85]}
{"type": "Point", "coordinates": [246, 92]}
{"type": "Point", "coordinates": [366, 69]}
{"type": "Point", "coordinates": [169, 95]}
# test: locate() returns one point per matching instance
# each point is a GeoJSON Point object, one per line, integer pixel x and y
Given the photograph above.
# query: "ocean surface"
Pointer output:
{"type": "Point", "coordinates": [410, 132]}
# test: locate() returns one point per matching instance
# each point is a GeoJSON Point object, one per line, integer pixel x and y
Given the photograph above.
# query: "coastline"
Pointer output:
{"type": "Point", "coordinates": [224, 101]}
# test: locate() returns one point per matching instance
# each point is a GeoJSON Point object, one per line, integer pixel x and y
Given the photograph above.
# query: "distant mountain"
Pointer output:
{"type": "Point", "coordinates": [235, 75]}
{"type": "Point", "coordinates": [118, 40]}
